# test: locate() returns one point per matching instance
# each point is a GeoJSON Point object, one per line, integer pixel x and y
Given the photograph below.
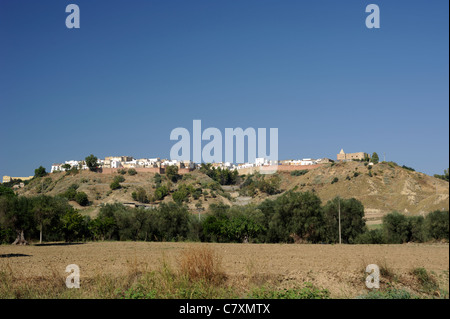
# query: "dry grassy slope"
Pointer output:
{"type": "Point", "coordinates": [390, 188]}
{"type": "Point", "coordinates": [96, 186]}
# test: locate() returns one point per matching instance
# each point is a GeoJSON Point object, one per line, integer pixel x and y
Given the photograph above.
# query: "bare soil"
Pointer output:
{"type": "Point", "coordinates": [338, 268]}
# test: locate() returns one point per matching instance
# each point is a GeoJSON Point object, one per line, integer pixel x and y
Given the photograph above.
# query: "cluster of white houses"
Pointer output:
{"type": "Point", "coordinates": [116, 162]}
{"type": "Point", "coordinates": [130, 162]}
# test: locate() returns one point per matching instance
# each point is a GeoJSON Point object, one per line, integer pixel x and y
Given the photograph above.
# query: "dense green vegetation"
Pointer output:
{"type": "Point", "coordinates": [444, 177]}
{"type": "Point", "coordinates": [220, 175]}
{"type": "Point", "coordinates": [292, 217]}
{"type": "Point", "coordinates": [398, 229]}
{"type": "Point", "coordinates": [269, 184]}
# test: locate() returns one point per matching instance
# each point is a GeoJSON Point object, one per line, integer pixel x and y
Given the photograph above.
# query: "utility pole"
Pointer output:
{"type": "Point", "coordinates": [339, 210]}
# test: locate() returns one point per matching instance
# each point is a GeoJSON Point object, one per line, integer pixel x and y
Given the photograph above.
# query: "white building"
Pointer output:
{"type": "Point", "coordinates": [260, 161]}
{"type": "Point", "coordinates": [170, 162]}
{"type": "Point", "coordinates": [116, 164]}
{"type": "Point", "coordinates": [56, 167]}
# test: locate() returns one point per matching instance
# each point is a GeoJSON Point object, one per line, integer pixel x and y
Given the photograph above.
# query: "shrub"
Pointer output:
{"type": "Point", "coordinates": [140, 195]}
{"type": "Point", "coordinates": [6, 191]}
{"type": "Point", "coordinates": [408, 168]}
{"type": "Point", "coordinates": [161, 192]}
{"type": "Point", "coordinates": [307, 292]}
{"type": "Point", "coordinates": [180, 195]}
{"type": "Point", "coordinates": [71, 192]}
{"type": "Point", "coordinates": [373, 236]}
{"type": "Point", "coordinates": [157, 179]}
{"type": "Point", "coordinates": [335, 180]}
{"type": "Point", "coordinates": [115, 185]}
{"type": "Point", "coordinates": [299, 172]}
{"type": "Point", "coordinates": [389, 293]}
{"type": "Point", "coordinates": [82, 199]}
{"type": "Point", "coordinates": [444, 177]}
{"type": "Point", "coordinates": [132, 172]}
{"type": "Point", "coordinates": [119, 179]}
{"type": "Point", "coordinates": [428, 283]}
{"type": "Point", "coordinates": [269, 184]}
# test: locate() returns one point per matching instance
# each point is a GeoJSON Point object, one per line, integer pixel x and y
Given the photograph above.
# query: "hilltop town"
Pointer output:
{"type": "Point", "coordinates": [382, 187]}
{"type": "Point", "coordinates": [112, 163]}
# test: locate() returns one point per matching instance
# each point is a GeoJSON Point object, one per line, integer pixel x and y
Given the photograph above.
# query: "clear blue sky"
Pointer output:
{"type": "Point", "coordinates": [135, 70]}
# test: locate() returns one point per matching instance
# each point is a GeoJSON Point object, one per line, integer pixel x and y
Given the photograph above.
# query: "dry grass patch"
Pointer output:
{"type": "Point", "coordinates": [202, 264]}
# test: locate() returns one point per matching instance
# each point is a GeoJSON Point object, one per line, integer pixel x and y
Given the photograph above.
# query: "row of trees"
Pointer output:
{"type": "Point", "coordinates": [220, 175]}
{"type": "Point", "coordinates": [292, 217]}
{"type": "Point", "coordinates": [398, 229]}
{"type": "Point", "coordinates": [44, 217]}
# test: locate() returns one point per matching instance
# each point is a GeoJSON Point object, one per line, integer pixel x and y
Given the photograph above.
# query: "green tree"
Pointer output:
{"type": "Point", "coordinates": [181, 194]}
{"type": "Point", "coordinates": [101, 227]}
{"type": "Point", "coordinates": [172, 173]}
{"type": "Point", "coordinates": [91, 162]}
{"type": "Point", "coordinates": [221, 175]}
{"type": "Point", "coordinates": [417, 229]}
{"type": "Point", "coordinates": [40, 172]}
{"type": "Point", "coordinates": [119, 179]}
{"type": "Point", "coordinates": [352, 220]}
{"type": "Point", "coordinates": [294, 214]}
{"type": "Point", "coordinates": [17, 213]}
{"type": "Point", "coordinates": [161, 192]}
{"type": "Point", "coordinates": [269, 184]}
{"type": "Point", "coordinates": [6, 191]}
{"type": "Point", "coordinates": [172, 223]}
{"type": "Point", "coordinates": [43, 212]}
{"type": "Point", "coordinates": [437, 225]}
{"type": "Point", "coordinates": [215, 224]}
{"type": "Point", "coordinates": [140, 195]}
{"type": "Point", "coordinates": [444, 177]}
{"type": "Point", "coordinates": [396, 228]}
{"type": "Point", "coordinates": [157, 179]}
{"type": "Point", "coordinates": [73, 226]}
{"type": "Point", "coordinates": [245, 223]}
{"type": "Point", "coordinates": [114, 185]}
{"type": "Point", "coordinates": [82, 198]}
{"type": "Point", "coordinates": [373, 236]}
{"type": "Point", "coordinates": [71, 192]}
{"type": "Point", "coordinates": [375, 159]}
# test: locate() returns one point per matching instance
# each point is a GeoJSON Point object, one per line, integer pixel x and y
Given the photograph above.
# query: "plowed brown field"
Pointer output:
{"type": "Point", "coordinates": [338, 268]}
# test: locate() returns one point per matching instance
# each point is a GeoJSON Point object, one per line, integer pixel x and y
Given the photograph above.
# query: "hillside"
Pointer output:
{"type": "Point", "coordinates": [389, 188]}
